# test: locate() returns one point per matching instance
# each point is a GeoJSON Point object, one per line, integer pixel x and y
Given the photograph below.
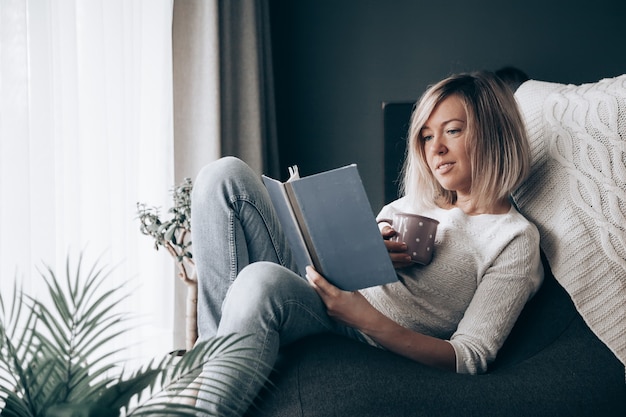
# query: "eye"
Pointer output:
{"type": "Point", "coordinates": [453, 131]}
{"type": "Point", "coordinates": [426, 138]}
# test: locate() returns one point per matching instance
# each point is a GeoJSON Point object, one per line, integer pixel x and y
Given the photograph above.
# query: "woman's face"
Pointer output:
{"type": "Point", "coordinates": [444, 140]}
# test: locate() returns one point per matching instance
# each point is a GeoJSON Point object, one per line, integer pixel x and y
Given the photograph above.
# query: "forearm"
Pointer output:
{"type": "Point", "coordinates": [352, 309]}
{"type": "Point", "coordinates": [413, 345]}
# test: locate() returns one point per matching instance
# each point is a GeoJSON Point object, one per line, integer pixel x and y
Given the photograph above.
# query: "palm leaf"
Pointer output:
{"type": "Point", "coordinates": [52, 361]}
{"type": "Point", "coordinates": [181, 381]}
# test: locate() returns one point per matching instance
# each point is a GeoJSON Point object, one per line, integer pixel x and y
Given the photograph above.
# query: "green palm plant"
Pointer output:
{"type": "Point", "coordinates": [57, 359]}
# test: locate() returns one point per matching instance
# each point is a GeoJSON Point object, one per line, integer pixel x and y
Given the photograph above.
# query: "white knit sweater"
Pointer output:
{"type": "Point", "coordinates": [484, 269]}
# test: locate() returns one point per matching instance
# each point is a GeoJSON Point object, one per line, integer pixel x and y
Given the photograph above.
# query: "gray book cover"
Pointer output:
{"type": "Point", "coordinates": [329, 222]}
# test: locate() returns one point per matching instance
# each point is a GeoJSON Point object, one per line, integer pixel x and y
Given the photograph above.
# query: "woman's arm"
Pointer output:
{"type": "Point", "coordinates": [352, 309]}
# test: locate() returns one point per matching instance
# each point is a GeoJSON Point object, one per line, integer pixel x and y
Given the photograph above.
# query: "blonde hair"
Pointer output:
{"type": "Point", "coordinates": [496, 138]}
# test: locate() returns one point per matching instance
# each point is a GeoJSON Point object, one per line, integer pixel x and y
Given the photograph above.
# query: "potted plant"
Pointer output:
{"type": "Point", "coordinates": [56, 357]}
{"type": "Point", "coordinates": [174, 234]}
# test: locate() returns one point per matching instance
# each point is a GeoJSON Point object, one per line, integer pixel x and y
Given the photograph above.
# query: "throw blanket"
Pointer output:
{"type": "Point", "coordinates": [576, 195]}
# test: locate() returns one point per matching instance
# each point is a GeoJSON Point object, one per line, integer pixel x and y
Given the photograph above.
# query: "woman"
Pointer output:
{"type": "Point", "coordinates": [467, 151]}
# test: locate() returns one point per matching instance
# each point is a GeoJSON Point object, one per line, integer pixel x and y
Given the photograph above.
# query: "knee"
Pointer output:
{"type": "Point", "coordinates": [224, 166]}
{"type": "Point", "coordinates": [261, 287]}
{"type": "Point", "coordinates": [218, 174]}
{"type": "Point", "coordinates": [262, 280]}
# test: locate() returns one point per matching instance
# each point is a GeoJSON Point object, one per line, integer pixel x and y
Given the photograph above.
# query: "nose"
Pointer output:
{"type": "Point", "coordinates": [437, 145]}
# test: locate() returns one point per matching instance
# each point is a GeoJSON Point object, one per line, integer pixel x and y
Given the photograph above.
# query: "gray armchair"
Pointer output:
{"type": "Point", "coordinates": [552, 364]}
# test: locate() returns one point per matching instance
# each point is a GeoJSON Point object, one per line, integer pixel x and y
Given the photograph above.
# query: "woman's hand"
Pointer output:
{"type": "Point", "coordinates": [349, 308]}
{"type": "Point", "coordinates": [352, 309]}
{"type": "Point", "coordinates": [400, 258]}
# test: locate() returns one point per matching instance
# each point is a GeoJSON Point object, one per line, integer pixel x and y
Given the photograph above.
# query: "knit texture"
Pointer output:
{"type": "Point", "coordinates": [483, 271]}
{"type": "Point", "coordinates": [576, 195]}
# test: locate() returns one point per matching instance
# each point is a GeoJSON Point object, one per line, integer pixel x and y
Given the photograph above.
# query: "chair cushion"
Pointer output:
{"type": "Point", "coordinates": [551, 364]}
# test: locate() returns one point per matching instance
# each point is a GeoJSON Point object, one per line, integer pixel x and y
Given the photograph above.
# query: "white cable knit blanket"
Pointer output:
{"type": "Point", "coordinates": [576, 195]}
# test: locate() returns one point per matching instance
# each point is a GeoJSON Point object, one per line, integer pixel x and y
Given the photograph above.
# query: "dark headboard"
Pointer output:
{"type": "Point", "coordinates": [396, 118]}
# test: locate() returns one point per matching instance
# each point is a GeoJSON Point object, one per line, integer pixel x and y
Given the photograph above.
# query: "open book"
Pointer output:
{"type": "Point", "coordinates": [329, 223]}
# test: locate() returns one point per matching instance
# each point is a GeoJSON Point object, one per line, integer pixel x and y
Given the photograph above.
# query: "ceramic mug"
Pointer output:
{"type": "Point", "coordinates": [417, 232]}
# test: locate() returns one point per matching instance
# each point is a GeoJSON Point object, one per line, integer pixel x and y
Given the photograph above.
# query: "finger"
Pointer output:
{"type": "Point", "coordinates": [400, 257]}
{"type": "Point", "coordinates": [393, 246]}
{"type": "Point", "coordinates": [321, 284]}
{"type": "Point", "coordinates": [402, 265]}
{"type": "Point", "coordinates": [314, 277]}
{"type": "Point", "coordinates": [387, 232]}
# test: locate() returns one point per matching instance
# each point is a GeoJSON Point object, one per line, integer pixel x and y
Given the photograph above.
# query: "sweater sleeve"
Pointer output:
{"type": "Point", "coordinates": [502, 292]}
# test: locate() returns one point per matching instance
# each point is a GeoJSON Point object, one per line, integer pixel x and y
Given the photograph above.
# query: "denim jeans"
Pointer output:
{"type": "Point", "coordinates": [246, 279]}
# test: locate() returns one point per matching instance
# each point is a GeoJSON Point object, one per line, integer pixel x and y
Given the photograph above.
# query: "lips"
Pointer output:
{"type": "Point", "coordinates": [444, 167]}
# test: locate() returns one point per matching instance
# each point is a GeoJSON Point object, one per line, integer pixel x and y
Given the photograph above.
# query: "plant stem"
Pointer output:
{"type": "Point", "coordinates": [192, 313]}
{"type": "Point", "coordinates": [187, 273]}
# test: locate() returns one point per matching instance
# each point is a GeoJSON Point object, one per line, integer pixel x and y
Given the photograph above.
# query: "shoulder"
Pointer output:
{"type": "Point", "coordinates": [524, 227]}
{"type": "Point", "coordinates": [520, 252]}
{"type": "Point", "coordinates": [517, 236]}
{"type": "Point", "coordinates": [401, 205]}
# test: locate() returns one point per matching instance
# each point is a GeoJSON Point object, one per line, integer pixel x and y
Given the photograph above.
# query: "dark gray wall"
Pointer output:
{"type": "Point", "coordinates": [336, 61]}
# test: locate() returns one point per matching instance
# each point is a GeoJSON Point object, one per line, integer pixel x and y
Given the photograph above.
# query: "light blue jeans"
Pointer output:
{"type": "Point", "coordinates": [246, 279]}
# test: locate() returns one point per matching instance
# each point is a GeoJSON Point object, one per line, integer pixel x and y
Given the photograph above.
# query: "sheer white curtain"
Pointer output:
{"type": "Point", "coordinates": [86, 131]}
